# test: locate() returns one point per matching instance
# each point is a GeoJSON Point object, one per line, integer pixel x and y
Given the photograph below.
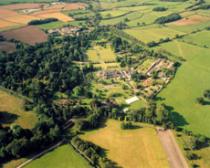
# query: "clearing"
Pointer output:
{"type": "Point", "coordinates": [141, 146]}
{"type": "Point", "coordinates": [98, 54]}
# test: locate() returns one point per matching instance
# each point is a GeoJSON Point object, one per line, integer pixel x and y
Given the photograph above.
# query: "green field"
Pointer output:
{"type": "Point", "coordinates": [201, 38]}
{"type": "Point", "coordinates": [148, 34]}
{"type": "Point", "coordinates": [53, 25]}
{"type": "Point", "coordinates": [99, 54]}
{"type": "Point", "coordinates": [12, 112]}
{"type": "Point", "coordinates": [189, 83]}
{"type": "Point", "coordinates": [141, 145]}
{"type": "Point", "coordinates": [62, 157]}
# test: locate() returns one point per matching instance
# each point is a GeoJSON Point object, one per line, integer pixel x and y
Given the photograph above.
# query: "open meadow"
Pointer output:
{"type": "Point", "coordinates": [140, 145]}
{"type": "Point", "coordinates": [12, 112]}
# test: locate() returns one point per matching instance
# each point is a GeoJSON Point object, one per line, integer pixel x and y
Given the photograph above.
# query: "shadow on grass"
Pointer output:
{"type": "Point", "coordinates": [176, 117]}
{"type": "Point", "coordinates": [7, 118]}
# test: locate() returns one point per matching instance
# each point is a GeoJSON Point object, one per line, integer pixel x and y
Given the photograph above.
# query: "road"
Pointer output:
{"type": "Point", "coordinates": [175, 156]}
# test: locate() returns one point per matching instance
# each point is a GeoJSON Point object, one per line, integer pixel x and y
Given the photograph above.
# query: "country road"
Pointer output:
{"type": "Point", "coordinates": [175, 156]}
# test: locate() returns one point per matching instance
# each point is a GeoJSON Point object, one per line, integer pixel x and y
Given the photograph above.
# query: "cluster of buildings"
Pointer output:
{"type": "Point", "coordinates": [68, 30]}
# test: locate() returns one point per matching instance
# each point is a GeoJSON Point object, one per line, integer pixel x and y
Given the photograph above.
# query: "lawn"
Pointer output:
{"type": "Point", "coordinates": [189, 83]}
{"type": "Point", "coordinates": [152, 33]}
{"type": "Point", "coordinates": [140, 145]}
{"type": "Point", "coordinates": [12, 112]}
{"type": "Point", "coordinates": [99, 54]}
{"type": "Point", "coordinates": [62, 157]}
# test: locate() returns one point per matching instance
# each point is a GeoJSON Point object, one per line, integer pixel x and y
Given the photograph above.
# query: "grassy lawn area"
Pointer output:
{"type": "Point", "coordinates": [189, 83]}
{"type": "Point", "coordinates": [113, 90]}
{"type": "Point", "coordinates": [137, 105]}
{"type": "Point", "coordinates": [98, 54]}
{"type": "Point", "coordinates": [12, 112]}
{"type": "Point", "coordinates": [153, 33]}
{"type": "Point", "coordinates": [62, 157]}
{"type": "Point", "coordinates": [141, 145]}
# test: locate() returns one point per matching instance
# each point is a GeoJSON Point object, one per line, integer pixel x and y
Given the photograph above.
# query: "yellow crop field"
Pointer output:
{"type": "Point", "coordinates": [56, 15]}
{"type": "Point", "coordinates": [139, 148]}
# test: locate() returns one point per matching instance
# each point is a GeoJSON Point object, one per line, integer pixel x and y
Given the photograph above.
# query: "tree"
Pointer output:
{"type": "Point", "coordinates": [200, 100]}
{"type": "Point", "coordinates": [207, 94]}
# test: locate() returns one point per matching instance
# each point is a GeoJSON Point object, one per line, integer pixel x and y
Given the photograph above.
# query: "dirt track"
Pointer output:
{"type": "Point", "coordinates": [175, 156]}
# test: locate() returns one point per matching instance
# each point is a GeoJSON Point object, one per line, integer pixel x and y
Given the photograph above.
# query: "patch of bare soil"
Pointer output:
{"type": "Point", "coordinates": [175, 156]}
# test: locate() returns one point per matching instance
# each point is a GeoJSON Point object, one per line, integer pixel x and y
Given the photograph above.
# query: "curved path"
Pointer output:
{"type": "Point", "coordinates": [175, 156]}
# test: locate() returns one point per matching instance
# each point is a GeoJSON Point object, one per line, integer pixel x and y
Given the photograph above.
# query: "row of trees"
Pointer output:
{"type": "Point", "coordinates": [42, 21]}
{"type": "Point", "coordinates": [93, 153]}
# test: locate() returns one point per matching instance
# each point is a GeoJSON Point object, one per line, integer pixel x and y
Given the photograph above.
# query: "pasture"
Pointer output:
{"type": "Point", "coordinates": [201, 38]}
{"type": "Point", "coordinates": [62, 157]}
{"type": "Point", "coordinates": [99, 54]}
{"type": "Point", "coordinates": [140, 145]}
{"type": "Point", "coordinates": [189, 83]}
{"type": "Point", "coordinates": [152, 33]}
{"type": "Point", "coordinates": [12, 112]}
{"type": "Point", "coordinates": [26, 35]}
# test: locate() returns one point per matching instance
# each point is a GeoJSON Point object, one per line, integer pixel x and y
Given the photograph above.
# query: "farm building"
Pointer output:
{"type": "Point", "coordinates": [132, 100]}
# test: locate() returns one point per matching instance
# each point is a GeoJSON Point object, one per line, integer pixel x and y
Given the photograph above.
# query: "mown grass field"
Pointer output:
{"type": "Point", "coordinates": [141, 145]}
{"type": "Point", "coordinates": [98, 54]}
{"type": "Point", "coordinates": [189, 83]}
{"type": "Point", "coordinates": [61, 157]}
{"type": "Point", "coordinates": [12, 112]}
